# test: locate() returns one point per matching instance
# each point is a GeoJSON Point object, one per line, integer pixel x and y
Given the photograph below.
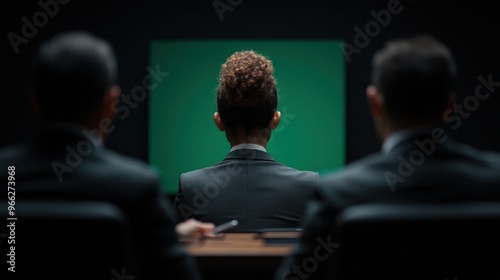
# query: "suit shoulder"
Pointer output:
{"type": "Point", "coordinates": [357, 181]}
{"type": "Point", "coordinates": [363, 169]}
{"type": "Point", "coordinates": [196, 172]}
{"type": "Point", "coordinates": [202, 173]}
{"type": "Point", "coordinates": [13, 152]}
{"type": "Point", "coordinates": [486, 156]}
{"type": "Point", "coordinates": [296, 173]}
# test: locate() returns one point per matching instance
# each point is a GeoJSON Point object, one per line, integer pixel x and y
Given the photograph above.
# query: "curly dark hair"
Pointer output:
{"type": "Point", "coordinates": [247, 95]}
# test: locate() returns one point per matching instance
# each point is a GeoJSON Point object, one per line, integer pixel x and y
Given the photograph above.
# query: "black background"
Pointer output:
{"type": "Point", "coordinates": [469, 28]}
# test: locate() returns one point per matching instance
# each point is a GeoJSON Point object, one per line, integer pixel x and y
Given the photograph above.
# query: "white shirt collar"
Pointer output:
{"type": "Point", "coordinates": [248, 146]}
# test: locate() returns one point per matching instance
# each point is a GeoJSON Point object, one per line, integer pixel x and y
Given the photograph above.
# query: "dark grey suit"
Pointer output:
{"type": "Point", "coordinates": [451, 172]}
{"type": "Point", "coordinates": [249, 186]}
{"type": "Point", "coordinates": [94, 173]}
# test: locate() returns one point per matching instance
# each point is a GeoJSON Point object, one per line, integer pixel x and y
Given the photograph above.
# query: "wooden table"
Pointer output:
{"type": "Point", "coordinates": [239, 256]}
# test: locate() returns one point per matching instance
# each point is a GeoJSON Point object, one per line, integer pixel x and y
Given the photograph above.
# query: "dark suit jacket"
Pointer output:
{"type": "Point", "coordinates": [452, 172]}
{"type": "Point", "coordinates": [249, 186]}
{"type": "Point", "coordinates": [102, 175]}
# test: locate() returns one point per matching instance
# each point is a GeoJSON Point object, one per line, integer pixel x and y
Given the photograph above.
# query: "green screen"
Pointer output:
{"type": "Point", "coordinates": [310, 80]}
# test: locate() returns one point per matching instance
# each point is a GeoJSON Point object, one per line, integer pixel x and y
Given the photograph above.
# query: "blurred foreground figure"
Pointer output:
{"type": "Point", "coordinates": [411, 91]}
{"type": "Point", "coordinates": [74, 92]}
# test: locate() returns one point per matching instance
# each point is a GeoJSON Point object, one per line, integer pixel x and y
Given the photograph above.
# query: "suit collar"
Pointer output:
{"type": "Point", "coordinates": [405, 135]}
{"type": "Point", "coordinates": [249, 154]}
{"type": "Point", "coordinates": [426, 143]}
{"type": "Point", "coordinates": [249, 146]}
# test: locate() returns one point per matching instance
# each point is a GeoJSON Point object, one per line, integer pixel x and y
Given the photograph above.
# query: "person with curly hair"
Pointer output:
{"type": "Point", "coordinates": [249, 185]}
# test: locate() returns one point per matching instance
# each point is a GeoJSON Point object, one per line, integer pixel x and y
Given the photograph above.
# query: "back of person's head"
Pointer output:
{"type": "Point", "coordinates": [72, 73]}
{"type": "Point", "coordinates": [415, 78]}
{"type": "Point", "coordinates": [247, 97]}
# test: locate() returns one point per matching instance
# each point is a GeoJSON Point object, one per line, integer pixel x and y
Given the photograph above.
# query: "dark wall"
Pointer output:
{"type": "Point", "coordinates": [470, 28]}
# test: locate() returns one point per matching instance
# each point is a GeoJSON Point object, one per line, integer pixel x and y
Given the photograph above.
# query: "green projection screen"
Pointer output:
{"type": "Point", "coordinates": [310, 78]}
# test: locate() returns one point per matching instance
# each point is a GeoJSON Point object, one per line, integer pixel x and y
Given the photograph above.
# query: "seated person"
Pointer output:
{"type": "Point", "coordinates": [411, 91]}
{"type": "Point", "coordinates": [75, 93]}
{"type": "Point", "coordinates": [248, 185]}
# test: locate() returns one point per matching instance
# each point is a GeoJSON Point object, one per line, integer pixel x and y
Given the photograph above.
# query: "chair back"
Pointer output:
{"type": "Point", "coordinates": [418, 241]}
{"type": "Point", "coordinates": [71, 240]}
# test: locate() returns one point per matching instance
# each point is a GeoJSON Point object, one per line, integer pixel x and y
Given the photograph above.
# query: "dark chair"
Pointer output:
{"type": "Point", "coordinates": [71, 240]}
{"type": "Point", "coordinates": [418, 241]}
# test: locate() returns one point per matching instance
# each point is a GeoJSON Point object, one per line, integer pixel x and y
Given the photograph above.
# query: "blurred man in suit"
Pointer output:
{"type": "Point", "coordinates": [411, 92]}
{"type": "Point", "coordinates": [75, 94]}
{"type": "Point", "coordinates": [248, 185]}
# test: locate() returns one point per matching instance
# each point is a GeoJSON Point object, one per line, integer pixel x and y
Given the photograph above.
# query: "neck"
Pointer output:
{"type": "Point", "coordinates": [259, 137]}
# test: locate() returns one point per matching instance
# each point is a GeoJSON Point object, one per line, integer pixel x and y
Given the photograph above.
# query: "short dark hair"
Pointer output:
{"type": "Point", "coordinates": [72, 71]}
{"type": "Point", "coordinates": [415, 77]}
{"type": "Point", "coordinates": [247, 95]}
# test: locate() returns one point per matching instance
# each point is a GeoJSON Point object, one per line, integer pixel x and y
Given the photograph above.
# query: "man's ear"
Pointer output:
{"type": "Point", "coordinates": [275, 120]}
{"type": "Point", "coordinates": [218, 122]}
{"type": "Point", "coordinates": [375, 101]}
{"type": "Point", "coordinates": [111, 98]}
